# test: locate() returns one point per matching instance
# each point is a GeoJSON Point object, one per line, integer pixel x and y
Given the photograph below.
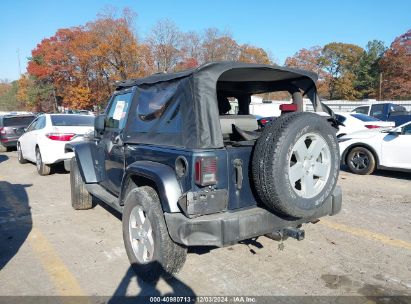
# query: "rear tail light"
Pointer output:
{"type": "Point", "coordinates": [372, 126]}
{"type": "Point", "coordinates": [60, 136]}
{"type": "Point", "coordinates": [206, 171]}
{"type": "Point", "coordinates": [264, 121]}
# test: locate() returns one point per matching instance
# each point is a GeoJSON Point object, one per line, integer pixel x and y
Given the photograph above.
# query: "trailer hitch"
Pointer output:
{"type": "Point", "coordinates": [294, 233]}
{"type": "Point", "coordinates": [285, 233]}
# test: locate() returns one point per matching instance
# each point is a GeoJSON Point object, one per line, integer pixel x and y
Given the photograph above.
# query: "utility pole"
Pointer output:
{"type": "Point", "coordinates": [380, 85]}
{"type": "Point", "coordinates": [18, 60]}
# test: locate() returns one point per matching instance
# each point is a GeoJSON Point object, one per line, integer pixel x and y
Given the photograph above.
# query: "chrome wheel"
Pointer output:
{"type": "Point", "coordinates": [141, 235]}
{"type": "Point", "coordinates": [360, 160]}
{"type": "Point", "coordinates": [309, 165]}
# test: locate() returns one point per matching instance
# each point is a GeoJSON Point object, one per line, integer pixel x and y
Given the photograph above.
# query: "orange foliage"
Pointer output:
{"type": "Point", "coordinates": [311, 60]}
{"type": "Point", "coordinates": [83, 62]}
{"type": "Point", "coordinates": [396, 69]}
{"type": "Point", "coordinates": [252, 54]}
{"type": "Point", "coordinates": [22, 87]}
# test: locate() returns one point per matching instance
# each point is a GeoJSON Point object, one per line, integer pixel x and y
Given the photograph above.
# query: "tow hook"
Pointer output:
{"type": "Point", "coordinates": [294, 233]}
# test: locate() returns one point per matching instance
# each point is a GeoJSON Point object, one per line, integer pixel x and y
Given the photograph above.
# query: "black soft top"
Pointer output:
{"type": "Point", "coordinates": [210, 72]}
{"type": "Point", "coordinates": [197, 95]}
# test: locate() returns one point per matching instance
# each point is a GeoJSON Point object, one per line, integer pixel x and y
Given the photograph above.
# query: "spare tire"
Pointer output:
{"type": "Point", "coordinates": [296, 163]}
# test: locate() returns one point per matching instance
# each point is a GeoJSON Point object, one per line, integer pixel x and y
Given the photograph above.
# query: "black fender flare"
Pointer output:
{"type": "Point", "coordinates": [162, 176]}
{"type": "Point", "coordinates": [348, 149]}
{"type": "Point", "coordinates": [90, 160]}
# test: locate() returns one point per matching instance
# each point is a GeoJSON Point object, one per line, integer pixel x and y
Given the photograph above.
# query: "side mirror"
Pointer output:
{"type": "Point", "coordinates": [99, 124]}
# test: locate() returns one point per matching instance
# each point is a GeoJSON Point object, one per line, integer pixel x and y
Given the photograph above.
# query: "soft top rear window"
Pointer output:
{"type": "Point", "coordinates": [17, 121]}
{"type": "Point", "coordinates": [72, 120]}
{"type": "Point", "coordinates": [364, 117]}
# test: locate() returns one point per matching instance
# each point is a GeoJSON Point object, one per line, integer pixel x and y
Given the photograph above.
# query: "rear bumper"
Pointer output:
{"type": "Point", "coordinates": [9, 142]}
{"type": "Point", "coordinates": [53, 152]}
{"type": "Point", "coordinates": [228, 228]}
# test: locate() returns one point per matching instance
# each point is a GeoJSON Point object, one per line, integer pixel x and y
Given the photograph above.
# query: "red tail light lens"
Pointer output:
{"type": "Point", "coordinates": [206, 171]}
{"type": "Point", "coordinates": [60, 136]}
{"type": "Point", "coordinates": [264, 121]}
{"type": "Point", "coordinates": [372, 126]}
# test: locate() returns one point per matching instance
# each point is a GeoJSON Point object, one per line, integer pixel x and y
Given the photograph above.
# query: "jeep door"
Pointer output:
{"type": "Point", "coordinates": [112, 139]}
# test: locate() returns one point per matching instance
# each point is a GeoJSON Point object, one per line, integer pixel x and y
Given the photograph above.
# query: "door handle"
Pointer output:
{"type": "Point", "coordinates": [238, 165]}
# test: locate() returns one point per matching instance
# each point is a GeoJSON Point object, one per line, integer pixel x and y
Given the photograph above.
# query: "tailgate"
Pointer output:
{"type": "Point", "coordinates": [240, 189]}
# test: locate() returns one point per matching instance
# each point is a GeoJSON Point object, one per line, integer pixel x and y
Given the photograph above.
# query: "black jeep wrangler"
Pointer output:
{"type": "Point", "coordinates": [182, 159]}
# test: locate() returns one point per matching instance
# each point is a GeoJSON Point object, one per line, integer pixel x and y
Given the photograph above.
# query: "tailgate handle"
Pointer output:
{"type": "Point", "coordinates": [238, 165]}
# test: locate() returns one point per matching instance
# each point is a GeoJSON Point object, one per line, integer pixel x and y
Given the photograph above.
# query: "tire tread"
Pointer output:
{"type": "Point", "coordinates": [173, 255]}
{"type": "Point", "coordinates": [266, 166]}
{"type": "Point", "coordinates": [80, 197]}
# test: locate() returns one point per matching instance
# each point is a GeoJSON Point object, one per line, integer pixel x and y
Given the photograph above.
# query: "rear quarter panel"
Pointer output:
{"type": "Point", "coordinates": [226, 174]}
{"type": "Point", "coordinates": [168, 156]}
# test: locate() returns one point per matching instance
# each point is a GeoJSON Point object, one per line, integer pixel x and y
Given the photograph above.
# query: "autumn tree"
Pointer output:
{"type": "Point", "coordinates": [340, 61]}
{"type": "Point", "coordinates": [55, 66]}
{"type": "Point", "coordinates": [396, 69]}
{"type": "Point", "coordinates": [218, 46]}
{"type": "Point", "coordinates": [165, 41]}
{"type": "Point", "coordinates": [191, 51]}
{"type": "Point", "coordinates": [252, 54]}
{"type": "Point", "coordinates": [81, 63]}
{"type": "Point", "coordinates": [311, 60]}
{"type": "Point", "coordinates": [22, 88]}
{"type": "Point", "coordinates": [8, 92]}
{"type": "Point", "coordinates": [77, 66]}
{"type": "Point", "coordinates": [5, 86]}
{"type": "Point", "coordinates": [116, 47]}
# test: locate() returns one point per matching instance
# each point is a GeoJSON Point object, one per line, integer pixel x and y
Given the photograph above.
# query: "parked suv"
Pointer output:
{"type": "Point", "coordinates": [11, 128]}
{"type": "Point", "coordinates": [184, 173]}
{"type": "Point", "coordinates": [386, 111]}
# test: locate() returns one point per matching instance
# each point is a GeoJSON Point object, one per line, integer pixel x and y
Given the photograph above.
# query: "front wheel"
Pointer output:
{"type": "Point", "coordinates": [42, 168]}
{"type": "Point", "coordinates": [80, 197]}
{"type": "Point", "coordinates": [361, 161]}
{"type": "Point", "coordinates": [151, 251]}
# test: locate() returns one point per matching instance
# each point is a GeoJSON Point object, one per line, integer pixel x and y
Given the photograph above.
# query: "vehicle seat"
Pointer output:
{"type": "Point", "coordinates": [242, 122]}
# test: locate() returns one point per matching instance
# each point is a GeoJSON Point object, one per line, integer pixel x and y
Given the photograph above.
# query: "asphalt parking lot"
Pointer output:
{"type": "Point", "coordinates": [47, 248]}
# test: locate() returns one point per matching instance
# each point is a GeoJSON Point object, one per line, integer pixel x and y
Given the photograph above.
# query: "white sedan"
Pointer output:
{"type": "Point", "coordinates": [45, 138]}
{"type": "Point", "coordinates": [354, 122]}
{"type": "Point", "coordinates": [365, 151]}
